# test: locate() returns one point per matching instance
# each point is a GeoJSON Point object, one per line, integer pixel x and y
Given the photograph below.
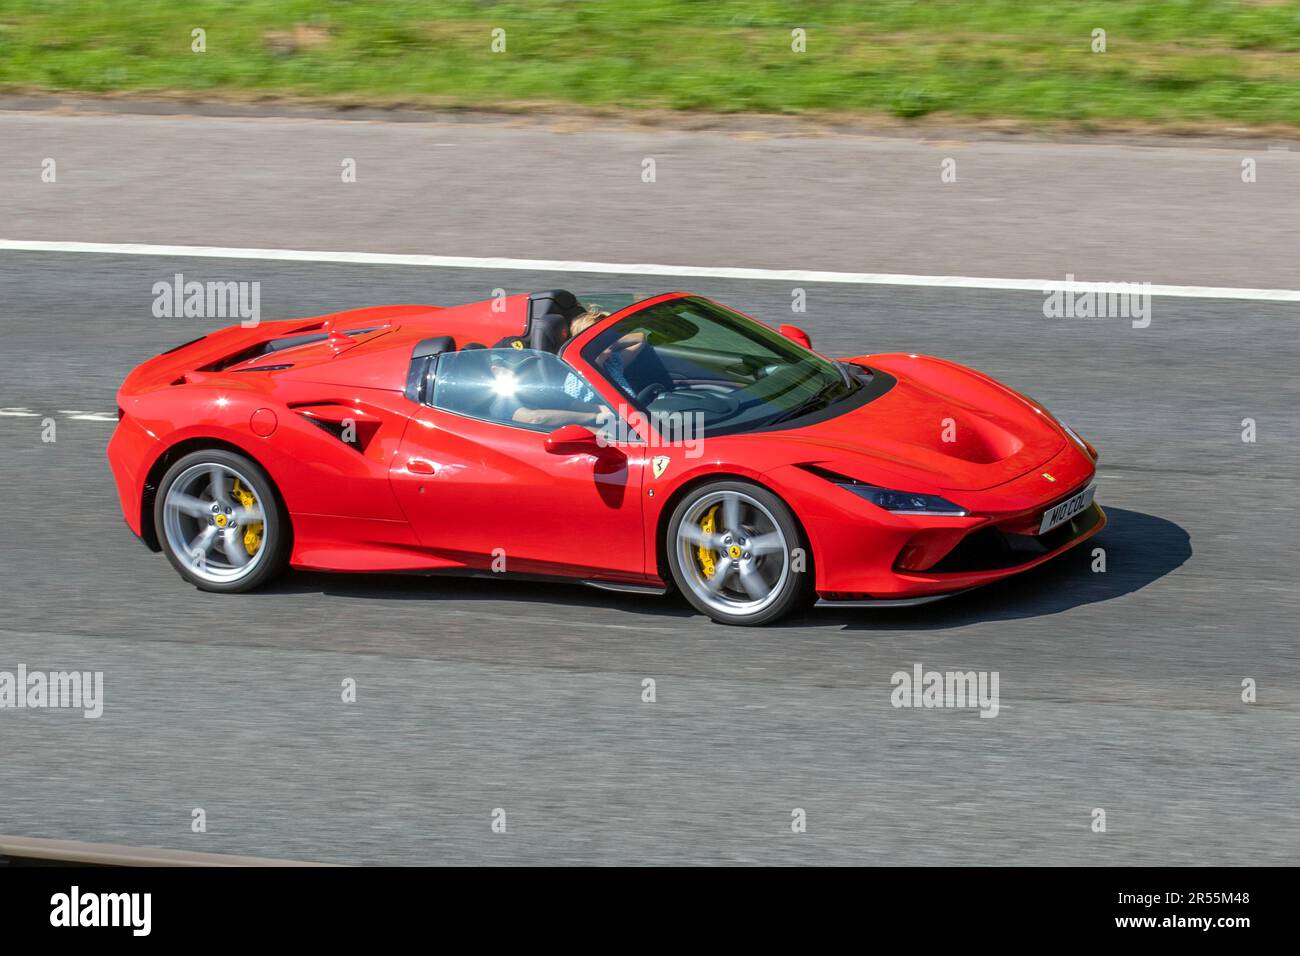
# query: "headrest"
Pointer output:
{"type": "Point", "coordinates": [434, 346]}
{"type": "Point", "coordinates": [558, 301]}
{"type": "Point", "coordinates": [548, 332]}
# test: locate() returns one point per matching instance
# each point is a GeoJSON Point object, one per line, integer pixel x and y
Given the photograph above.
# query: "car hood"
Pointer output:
{"type": "Point", "coordinates": [941, 425]}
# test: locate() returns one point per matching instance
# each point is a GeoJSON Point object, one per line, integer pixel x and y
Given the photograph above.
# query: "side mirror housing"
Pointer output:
{"type": "Point", "coordinates": [796, 334]}
{"type": "Point", "coordinates": [573, 440]}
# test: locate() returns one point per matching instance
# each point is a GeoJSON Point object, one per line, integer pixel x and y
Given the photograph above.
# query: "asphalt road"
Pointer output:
{"type": "Point", "coordinates": [475, 186]}
{"type": "Point", "coordinates": [1119, 690]}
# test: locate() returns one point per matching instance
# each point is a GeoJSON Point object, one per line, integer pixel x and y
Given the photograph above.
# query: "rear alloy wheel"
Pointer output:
{"type": "Point", "coordinates": [220, 523]}
{"type": "Point", "coordinates": [737, 554]}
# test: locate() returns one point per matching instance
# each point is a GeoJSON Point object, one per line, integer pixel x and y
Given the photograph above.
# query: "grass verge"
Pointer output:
{"type": "Point", "coordinates": [1165, 63]}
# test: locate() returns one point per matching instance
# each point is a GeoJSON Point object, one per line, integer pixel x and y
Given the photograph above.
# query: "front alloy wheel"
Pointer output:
{"type": "Point", "coordinates": [736, 553]}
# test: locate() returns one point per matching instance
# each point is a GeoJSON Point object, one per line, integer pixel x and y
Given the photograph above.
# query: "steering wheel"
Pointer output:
{"type": "Point", "coordinates": [690, 399]}
{"type": "Point", "coordinates": [650, 392]}
{"type": "Point", "coordinates": [719, 403]}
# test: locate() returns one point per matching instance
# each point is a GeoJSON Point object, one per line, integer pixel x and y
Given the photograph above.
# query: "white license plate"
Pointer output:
{"type": "Point", "coordinates": [1067, 509]}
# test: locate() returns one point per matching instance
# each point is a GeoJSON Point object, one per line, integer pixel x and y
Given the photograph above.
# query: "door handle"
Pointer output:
{"type": "Point", "coordinates": [418, 466]}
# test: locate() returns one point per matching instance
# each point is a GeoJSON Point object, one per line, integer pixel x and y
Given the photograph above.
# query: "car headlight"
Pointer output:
{"type": "Point", "coordinates": [905, 502]}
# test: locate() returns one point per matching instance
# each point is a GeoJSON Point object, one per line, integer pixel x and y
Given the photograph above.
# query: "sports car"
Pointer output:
{"type": "Point", "coordinates": [670, 443]}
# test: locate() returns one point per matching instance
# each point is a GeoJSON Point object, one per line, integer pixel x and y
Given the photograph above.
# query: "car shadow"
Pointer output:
{"type": "Point", "coordinates": [1140, 548]}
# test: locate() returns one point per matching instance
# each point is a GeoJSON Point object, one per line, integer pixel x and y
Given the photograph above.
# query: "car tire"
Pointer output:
{"type": "Point", "coordinates": [749, 536]}
{"type": "Point", "coordinates": [211, 547]}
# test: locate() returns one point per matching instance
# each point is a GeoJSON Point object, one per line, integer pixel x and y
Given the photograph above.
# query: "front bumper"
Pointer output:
{"type": "Point", "coordinates": [864, 556]}
{"type": "Point", "coordinates": [995, 548]}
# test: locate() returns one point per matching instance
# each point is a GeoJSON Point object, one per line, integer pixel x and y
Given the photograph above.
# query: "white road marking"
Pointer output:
{"type": "Point", "coordinates": [643, 269]}
{"type": "Point", "coordinates": [80, 416]}
{"type": "Point", "coordinates": [71, 413]}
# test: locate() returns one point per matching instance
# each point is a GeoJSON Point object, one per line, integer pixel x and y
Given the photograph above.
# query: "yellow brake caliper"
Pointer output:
{"type": "Point", "coordinates": [708, 556]}
{"type": "Point", "coordinates": [253, 532]}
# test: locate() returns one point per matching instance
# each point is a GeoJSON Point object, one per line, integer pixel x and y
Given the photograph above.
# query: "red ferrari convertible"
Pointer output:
{"type": "Point", "coordinates": [672, 442]}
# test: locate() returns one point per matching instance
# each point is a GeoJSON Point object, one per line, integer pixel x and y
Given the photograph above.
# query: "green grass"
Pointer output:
{"type": "Point", "coordinates": [1167, 62]}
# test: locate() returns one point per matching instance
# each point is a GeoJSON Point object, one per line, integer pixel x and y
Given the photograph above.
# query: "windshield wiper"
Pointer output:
{"type": "Point", "coordinates": [803, 408]}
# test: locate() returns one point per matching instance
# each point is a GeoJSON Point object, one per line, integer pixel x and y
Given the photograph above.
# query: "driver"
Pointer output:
{"type": "Point", "coordinates": [574, 388]}
{"type": "Point", "coordinates": [615, 358]}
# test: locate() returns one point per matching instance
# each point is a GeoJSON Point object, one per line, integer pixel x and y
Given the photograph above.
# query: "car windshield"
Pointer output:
{"type": "Point", "coordinates": [693, 363]}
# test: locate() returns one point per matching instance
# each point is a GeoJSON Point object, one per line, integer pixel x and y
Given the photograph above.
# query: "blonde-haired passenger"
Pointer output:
{"type": "Point", "coordinates": [585, 320]}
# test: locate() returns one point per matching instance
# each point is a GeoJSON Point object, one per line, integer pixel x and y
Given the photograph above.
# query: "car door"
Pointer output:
{"type": "Point", "coordinates": [477, 482]}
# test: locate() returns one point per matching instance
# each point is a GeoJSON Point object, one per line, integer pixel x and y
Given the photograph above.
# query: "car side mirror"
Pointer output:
{"type": "Point", "coordinates": [573, 440]}
{"type": "Point", "coordinates": [796, 334]}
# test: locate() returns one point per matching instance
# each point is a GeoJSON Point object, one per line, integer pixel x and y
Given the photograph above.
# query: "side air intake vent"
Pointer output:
{"type": "Point", "coordinates": [350, 425]}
